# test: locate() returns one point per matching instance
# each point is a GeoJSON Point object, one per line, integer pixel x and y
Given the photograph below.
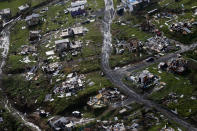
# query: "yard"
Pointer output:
{"type": "Point", "coordinates": [184, 86]}
{"type": "Point", "coordinates": [14, 4]}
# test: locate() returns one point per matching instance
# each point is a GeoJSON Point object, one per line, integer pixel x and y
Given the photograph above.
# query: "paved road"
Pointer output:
{"type": "Point", "coordinates": [116, 77]}
{"type": "Point", "coordinates": [143, 64]}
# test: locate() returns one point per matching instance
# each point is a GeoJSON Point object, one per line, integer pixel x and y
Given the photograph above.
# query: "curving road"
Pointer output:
{"type": "Point", "coordinates": [143, 64]}
{"type": "Point", "coordinates": [116, 77]}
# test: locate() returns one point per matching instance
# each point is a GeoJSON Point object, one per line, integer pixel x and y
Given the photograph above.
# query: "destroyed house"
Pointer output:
{"type": "Point", "coordinates": [51, 68]}
{"type": "Point", "coordinates": [72, 85]}
{"type": "Point", "coordinates": [181, 27]}
{"type": "Point", "coordinates": [158, 43]}
{"type": "Point", "coordinates": [5, 13]}
{"type": "Point", "coordinates": [134, 45]}
{"type": "Point", "coordinates": [178, 65]}
{"type": "Point", "coordinates": [23, 8]}
{"type": "Point", "coordinates": [62, 45]}
{"type": "Point", "coordinates": [105, 97]}
{"type": "Point", "coordinates": [33, 19]}
{"type": "Point", "coordinates": [34, 36]}
{"type": "Point", "coordinates": [146, 78]}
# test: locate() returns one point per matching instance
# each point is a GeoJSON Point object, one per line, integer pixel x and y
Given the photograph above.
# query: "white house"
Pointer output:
{"type": "Point", "coordinates": [132, 3]}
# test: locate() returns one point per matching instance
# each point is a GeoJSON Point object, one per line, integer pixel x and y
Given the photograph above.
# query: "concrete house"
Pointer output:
{"type": "Point", "coordinates": [133, 4]}
{"type": "Point", "coordinates": [23, 8]}
{"type": "Point", "coordinates": [5, 13]}
{"type": "Point", "coordinates": [33, 19]}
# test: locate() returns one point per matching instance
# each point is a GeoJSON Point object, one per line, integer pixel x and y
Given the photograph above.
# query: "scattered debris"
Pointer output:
{"type": "Point", "coordinates": [106, 96]}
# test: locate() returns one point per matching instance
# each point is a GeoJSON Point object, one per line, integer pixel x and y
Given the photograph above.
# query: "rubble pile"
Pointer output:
{"type": "Point", "coordinates": [182, 27]}
{"type": "Point", "coordinates": [71, 86]}
{"type": "Point", "coordinates": [132, 45]}
{"type": "Point", "coordinates": [145, 79]}
{"type": "Point", "coordinates": [106, 125]}
{"type": "Point", "coordinates": [52, 68]}
{"type": "Point", "coordinates": [135, 45]}
{"type": "Point", "coordinates": [67, 123]}
{"type": "Point", "coordinates": [175, 65]}
{"type": "Point", "coordinates": [106, 96]}
{"type": "Point", "coordinates": [157, 43]}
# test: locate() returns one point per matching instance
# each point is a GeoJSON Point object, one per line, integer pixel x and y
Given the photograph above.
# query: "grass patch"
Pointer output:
{"type": "Point", "coordinates": [179, 85]}
{"type": "Point", "coordinates": [14, 4]}
{"type": "Point", "coordinates": [125, 32]}
{"type": "Point", "coordinates": [23, 92]}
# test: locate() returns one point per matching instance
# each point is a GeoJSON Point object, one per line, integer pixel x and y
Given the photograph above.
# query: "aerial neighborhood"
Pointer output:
{"type": "Point", "coordinates": [98, 65]}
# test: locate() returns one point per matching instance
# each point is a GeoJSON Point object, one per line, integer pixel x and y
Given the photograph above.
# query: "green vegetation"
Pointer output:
{"type": "Point", "coordinates": [182, 16]}
{"type": "Point", "coordinates": [18, 36]}
{"type": "Point", "coordinates": [14, 65]}
{"type": "Point", "coordinates": [116, 2]}
{"type": "Point", "coordinates": [56, 18]}
{"type": "Point", "coordinates": [181, 85]}
{"type": "Point", "coordinates": [191, 54]}
{"type": "Point", "coordinates": [95, 38]}
{"type": "Point", "coordinates": [25, 93]}
{"type": "Point", "coordinates": [91, 65]}
{"type": "Point", "coordinates": [9, 122]}
{"type": "Point", "coordinates": [14, 4]}
{"type": "Point", "coordinates": [125, 32]}
{"type": "Point", "coordinates": [126, 58]}
{"type": "Point", "coordinates": [96, 4]}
